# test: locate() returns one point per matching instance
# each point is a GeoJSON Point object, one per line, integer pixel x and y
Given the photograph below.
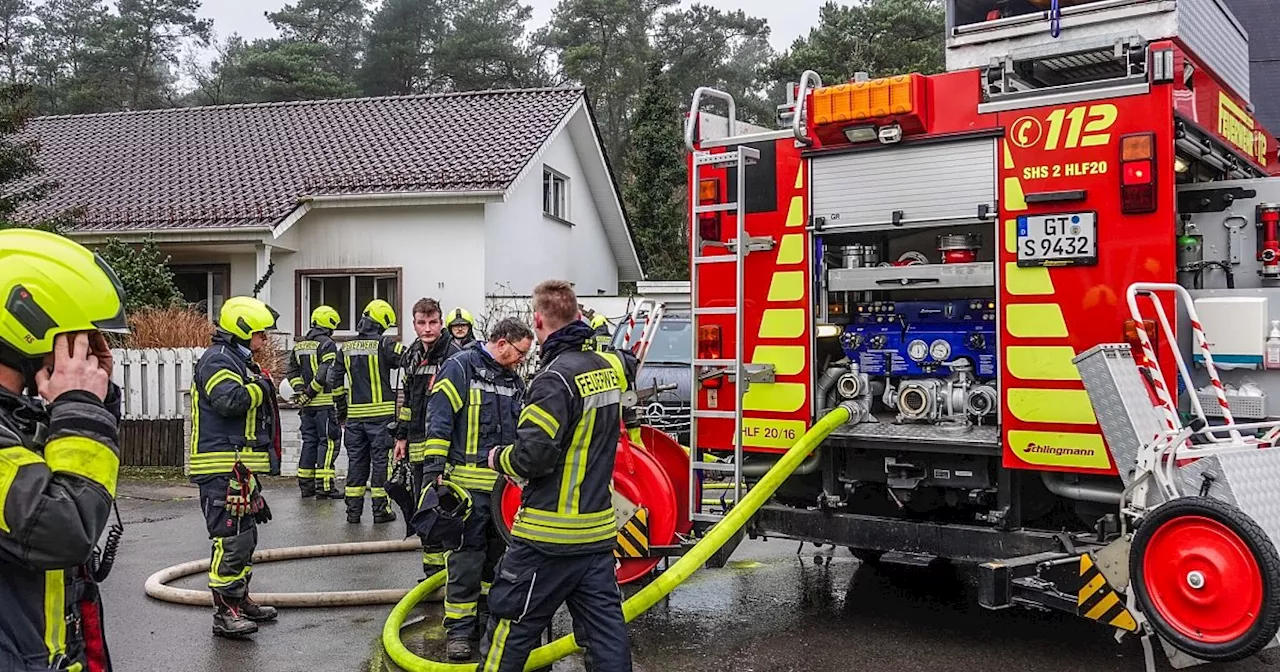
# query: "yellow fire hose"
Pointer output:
{"type": "Point", "coordinates": [647, 596]}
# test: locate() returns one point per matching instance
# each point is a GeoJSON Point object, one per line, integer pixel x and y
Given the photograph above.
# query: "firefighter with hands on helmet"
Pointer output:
{"type": "Point", "coordinates": [564, 533]}
{"type": "Point", "coordinates": [461, 326]}
{"type": "Point", "coordinates": [369, 361]}
{"type": "Point", "coordinates": [474, 405]}
{"type": "Point", "coordinates": [59, 451]}
{"type": "Point", "coordinates": [420, 362]}
{"type": "Point", "coordinates": [317, 378]}
{"type": "Point", "coordinates": [232, 432]}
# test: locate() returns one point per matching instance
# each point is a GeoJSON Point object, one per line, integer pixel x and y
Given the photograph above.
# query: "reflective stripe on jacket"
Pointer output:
{"type": "Point", "coordinates": [232, 411]}
{"type": "Point", "coordinates": [567, 440]}
{"type": "Point", "coordinates": [314, 365]}
{"type": "Point", "coordinates": [474, 406]}
{"type": "Point", "coordinates": [369, 361]}
{"type": "Point", "coordinates": [55, 502]}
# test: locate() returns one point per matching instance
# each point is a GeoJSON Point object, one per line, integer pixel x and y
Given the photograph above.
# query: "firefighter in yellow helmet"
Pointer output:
{"type": "Point", "coordinates": [318, 380]}
{"type": "Point", "coordinates": [59, 458]}
{"type": "Point", "coordinates": [369, 361]}
{"type": "Point", "coordinates": [602, 338]}
{"type": "Point", "coordinates": [233, 412]}
{"type": "Point", "coordinates": [461, 326]}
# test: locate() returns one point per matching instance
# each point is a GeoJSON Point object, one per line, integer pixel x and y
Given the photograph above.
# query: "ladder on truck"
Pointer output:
{"type": "Point", "coordinates": [734, 368]}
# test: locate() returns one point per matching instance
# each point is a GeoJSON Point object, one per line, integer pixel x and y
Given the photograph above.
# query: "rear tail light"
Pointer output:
{"type": "Point", "coordinates": [1138, 170]}
{"type": "Point", "coordinates": [709, 222]}
{"type": "Point", "coordinates": [710, 347]}
{"type": "Point", "coordinates": [1135, 341]}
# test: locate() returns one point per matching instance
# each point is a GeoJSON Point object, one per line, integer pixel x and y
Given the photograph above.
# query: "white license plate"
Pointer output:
{"type": "Point", "coordinates": [1068, 239]}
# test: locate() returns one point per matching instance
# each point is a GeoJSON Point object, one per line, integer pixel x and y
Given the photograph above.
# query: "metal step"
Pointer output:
{"type": "Point", "coordinates": [717, 207]}
{"type": "Point", "coordinates": [727, 310]}
{"type": "Point", "coordinates": [750, 154]}
{"type": "Point", "coordinates": [715, 259]}
{"type": "Point", "coordinates": [726, 467]}
{"type": "Point", "coordinates": [720, 415]}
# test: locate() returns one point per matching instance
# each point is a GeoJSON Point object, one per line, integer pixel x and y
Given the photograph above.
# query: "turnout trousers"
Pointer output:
{"type": "Point", "coordinates": [529, 588]}
{"type": "Point", "coordinates": [469, 568]}
{"type": "Point", "coordinates": [369, 446]}
{"type": "Point", "coordinates": [321, 440]}
{"type": "Point", "coordinates": [234, 540]}
{"type": "Point", "coordinates": [433, 556]}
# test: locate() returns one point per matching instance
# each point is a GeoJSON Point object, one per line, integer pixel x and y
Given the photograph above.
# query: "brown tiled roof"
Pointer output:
{"type": "Point", "coordinates": [247, 165]}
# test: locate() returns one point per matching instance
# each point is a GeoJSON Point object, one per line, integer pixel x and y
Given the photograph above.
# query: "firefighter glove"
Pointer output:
{"type": "Point", "coordinates": [240, 491]}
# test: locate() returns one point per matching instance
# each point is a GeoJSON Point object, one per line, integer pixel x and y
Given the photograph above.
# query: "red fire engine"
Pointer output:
{"type": "Point", "coordinates": [982, 264]}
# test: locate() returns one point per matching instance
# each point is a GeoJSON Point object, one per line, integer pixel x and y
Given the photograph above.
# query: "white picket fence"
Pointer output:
{"type": "Point", "coordinates": [154, 382]}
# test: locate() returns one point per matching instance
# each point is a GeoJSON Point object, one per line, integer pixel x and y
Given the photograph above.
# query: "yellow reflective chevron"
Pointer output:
{"type": "Point", "coordinates": [1098, 601]}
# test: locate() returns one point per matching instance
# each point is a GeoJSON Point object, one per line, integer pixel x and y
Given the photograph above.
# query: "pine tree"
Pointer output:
{"type": "Point", "coordinates": [656, 180]}
{"type": "Point", "coordinates": [401, 46]}
{"type": "Point", "coordinates": [20, 180]}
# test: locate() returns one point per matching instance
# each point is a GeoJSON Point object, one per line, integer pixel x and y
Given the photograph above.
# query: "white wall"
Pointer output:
{"type": "Point", "coordinates": [244, 275]}
{"type": "Point", "coordinates": [440, 250]}
{"type": "Point", "coordinates": [524, 247]}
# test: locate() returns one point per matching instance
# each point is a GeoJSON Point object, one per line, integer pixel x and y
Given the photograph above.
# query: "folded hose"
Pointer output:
{"type": "Point", "coordinates": [648, 596]}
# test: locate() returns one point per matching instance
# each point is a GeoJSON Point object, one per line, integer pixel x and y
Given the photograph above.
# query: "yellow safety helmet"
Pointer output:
{"type": "Point", "coordinates": [381, 312]}
{"type": "Point", "coordinates": [458, 316]}
{"type": "Point", "coordinates": [52, 285]}
{"type": "Point", "coordinates": [244, 316]}
{"type": "Point", "coordinates": [598, 321]}
{"type": "Point", "coordinates": [325, 318]}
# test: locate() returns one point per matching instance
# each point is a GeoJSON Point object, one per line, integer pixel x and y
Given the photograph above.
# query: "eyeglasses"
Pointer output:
{"type": "Point", "coordinates": [523, 353]}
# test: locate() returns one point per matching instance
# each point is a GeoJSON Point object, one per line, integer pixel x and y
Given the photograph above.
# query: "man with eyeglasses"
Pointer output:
{"type": "Point", "coordinates": [474, 406]}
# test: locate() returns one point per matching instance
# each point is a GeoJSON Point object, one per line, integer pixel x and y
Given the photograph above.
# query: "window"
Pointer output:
{"type": "Point", "coordinates": [348, 292]}
{"type": "Point", "coordinates": [205, 286]}
{"type": "Point", "coordinates": [671, 344]}
{"type": "Point", "coordinates": [555, 194]}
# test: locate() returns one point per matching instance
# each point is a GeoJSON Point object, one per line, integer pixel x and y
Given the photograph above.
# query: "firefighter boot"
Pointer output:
{"type": "Point", "coordinates": [229, 620]}
{"type": "Point", "coordinates": [383, 516]}
{"type": "Point", "coordinates": [254, 611]}
{"type": "Point", "coordinates": [307, 486]}
{"type": "Point", "coordinates": [355, 507]}
{"type": "Point", "coordinates": [458, 649]}
{"type": "Point", "coordinates": [331, 493]}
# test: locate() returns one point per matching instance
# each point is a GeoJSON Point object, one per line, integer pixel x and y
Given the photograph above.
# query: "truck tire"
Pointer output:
{"type": "Point", "coordinates": [1207, 578]}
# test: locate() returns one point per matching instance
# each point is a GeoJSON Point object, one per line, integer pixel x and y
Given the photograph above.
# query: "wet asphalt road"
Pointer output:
{"type": "Point", "coordinates": [769, 610]}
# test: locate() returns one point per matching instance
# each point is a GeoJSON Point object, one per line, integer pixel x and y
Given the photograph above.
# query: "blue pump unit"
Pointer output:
{"type": "Point", "coordinates": [915, 338]}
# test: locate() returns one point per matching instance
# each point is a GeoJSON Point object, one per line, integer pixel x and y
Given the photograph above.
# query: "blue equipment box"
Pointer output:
{"type": "Point", "coordinates": [914, 338]}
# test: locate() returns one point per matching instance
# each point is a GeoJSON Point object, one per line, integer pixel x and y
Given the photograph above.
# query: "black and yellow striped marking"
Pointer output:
{"type": "Point", "coordinates": [633, 538]}
{"type": "Point", "coordinates": [1098, 601]}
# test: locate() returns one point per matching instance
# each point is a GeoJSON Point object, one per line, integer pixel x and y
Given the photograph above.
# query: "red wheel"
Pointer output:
{"type": "Point", "coordinates": [1208, 579]}
{"type": "Point", "coordinates": [674, 460]}
{"type": "Point", "coordinates": [636, 476]}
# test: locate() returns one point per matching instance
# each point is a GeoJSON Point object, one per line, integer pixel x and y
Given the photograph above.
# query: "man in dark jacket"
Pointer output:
{"type": "Point", "coordinates": [318, 381]}
{"type": "Point", "coordinates": [474, 406]}
{"type": "Point", "coordinates": [59, 459]}
{"type": "Point", "coordinates": [369, 361]}
{"type": "Point", "coordinates": [231, 432]}
{"type": "Point", "coordinates": [564, 533]}
{"type": "Point", "coordinates": [420, 362]}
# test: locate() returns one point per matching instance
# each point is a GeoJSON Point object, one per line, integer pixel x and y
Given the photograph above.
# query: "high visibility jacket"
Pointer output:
{"type": "Point", "coordinates": [55, 501]}
{"type": "Point", "coordinates": [314, 365]}
{"type": "Point", "coordinates": [603, 339]}
{"type": "Point", "coordinates": [473, 407]}
{"type": "Point", "coordinates": [420, 366]}
{"type": "Point", "coordinates": [567, 439]}
{"type": "Point", "coordinates": [369, 361]}
{"type": "Point", "coordinates": [232, 411]}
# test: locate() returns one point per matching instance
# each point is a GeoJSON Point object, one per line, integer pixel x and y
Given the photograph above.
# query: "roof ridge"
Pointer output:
{"type": "Point", "coordinates": [318, 102]}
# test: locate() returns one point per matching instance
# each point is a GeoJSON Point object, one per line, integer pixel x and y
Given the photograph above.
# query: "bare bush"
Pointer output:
{"type": "Point", "coordinates": [506, 303]}
{"type": "Point", "coordinates": [175, 327]}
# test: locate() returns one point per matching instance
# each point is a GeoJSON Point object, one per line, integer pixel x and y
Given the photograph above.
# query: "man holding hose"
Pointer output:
{"type": "Point", "coordinates": [564, 534]}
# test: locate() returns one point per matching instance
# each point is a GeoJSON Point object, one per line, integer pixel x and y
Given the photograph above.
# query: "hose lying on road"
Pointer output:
{"type": "Point", "coordinates": [157, 589]}
{"type": "Point", "coordinates": [647, 596]}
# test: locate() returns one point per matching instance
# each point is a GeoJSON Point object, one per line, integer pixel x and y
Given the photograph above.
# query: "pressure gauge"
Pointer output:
{"type": "Point", "coordinates": [917, 350]}
{"type": "Point", "coordinates": [940, 350]}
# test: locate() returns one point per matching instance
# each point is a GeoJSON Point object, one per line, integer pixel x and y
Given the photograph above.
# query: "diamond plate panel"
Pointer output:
{"type": "Point", "coordinates": [887, 430]}
{"type": "Point", "coordinates": [1247, 478]}
{"type": "Point", "coordinates": [1120, 402]}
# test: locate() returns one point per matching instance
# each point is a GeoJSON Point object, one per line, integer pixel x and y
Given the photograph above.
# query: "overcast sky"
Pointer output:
{"type": "Point", "coordinates": [787, 18]}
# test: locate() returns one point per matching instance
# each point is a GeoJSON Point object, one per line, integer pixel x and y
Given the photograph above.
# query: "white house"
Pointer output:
{"type": "Point", "coordinates": [458, 196]}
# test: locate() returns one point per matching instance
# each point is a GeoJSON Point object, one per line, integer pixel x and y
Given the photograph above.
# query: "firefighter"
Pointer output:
{"type": "Point", "coordinates": [474, 405]}
{"type": "Point", "coordinates": [564, 533]}
{"type": "Point", "coordinates": [232, 433]}
{"type": "Point", "coordinates": [462, 326]}
{"type": "Point", "coordinates": [420, 362]}
{"type": "Point", "coordinates": [600, 328]}
{"type": "Point", "coordinates": [369, 360]}
{"type": "Point", "coordinates": [317, 378]}
{"type": "Point", "coordinates": [59, 459]}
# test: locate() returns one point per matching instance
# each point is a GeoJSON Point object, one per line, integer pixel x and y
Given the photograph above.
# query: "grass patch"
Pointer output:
{"type": "Point", "coordinates": [153, 474]}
